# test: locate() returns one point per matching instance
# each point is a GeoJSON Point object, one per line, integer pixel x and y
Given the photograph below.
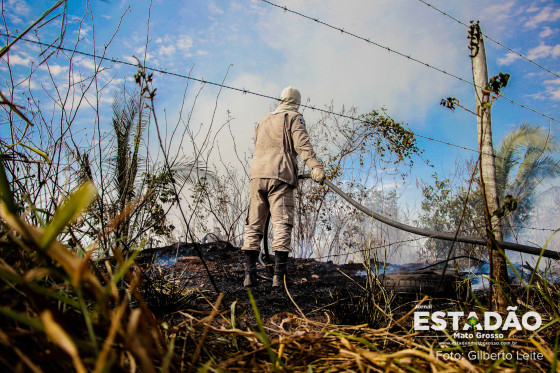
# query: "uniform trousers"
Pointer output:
{"type": "Point", "coordinates": [277, 197]}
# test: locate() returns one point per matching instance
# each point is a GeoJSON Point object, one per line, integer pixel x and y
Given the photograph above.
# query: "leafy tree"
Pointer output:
{"type": "Point", "coordinates": [353, 153]}
{"type": "Point", "coordinates": [444, 210]}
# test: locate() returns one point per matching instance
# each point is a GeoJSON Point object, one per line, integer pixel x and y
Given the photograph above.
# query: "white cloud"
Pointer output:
{"type": "Point", "coordinates": [84, 30]}
{"type": "Point", "coordinates": [18, 7]}
{"type": "Point", "coordinates": [554, 93]}
{"type": "Point", "coordinates": [547, 14]}
{"type": "Point", "coordinates": [184, 44]}
{"type": "Point", "coordinates": [32, 85]}
{"type": "Point", "coordinates": [214, 9]}
{"type": "Point", "coordinates": [508, 59]}
{"type": "Point", "coordinates": [547, 31]}
{"type": "Point", "coordinates": [166, 50]}
{"type": "Point", "coordinates": [498, 12]}
{"type": "Point", "coordinates": [543, 51]}
{"type": "Point", "coordinates": [537, 96]}
{"type": "Point", "coordinates": [553, 90]}
{"type": "Point", "coordinates": [87, 63]}
{"type": "Point", "coordinates": [140, 52]}
{"type": "Point", "coordinates": [169, 45]}
{"type": "Point", "coordinates": [554, 81]}
{"type": "Point", "coordinates": [130, 59]}
{"type": "Point", "coordinates": [165, 39]}
{"type": "Point", "coordinates": [54, 69]}
{"type": "Point", "coordinates": [18, 59]}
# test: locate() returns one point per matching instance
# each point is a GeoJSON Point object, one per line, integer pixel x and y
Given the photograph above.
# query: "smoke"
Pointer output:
{"type": "Point", "coordinates": [539, 230]}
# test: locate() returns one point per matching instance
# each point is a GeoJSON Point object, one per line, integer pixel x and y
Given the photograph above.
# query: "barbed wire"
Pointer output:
{"type": "Point", "coordinates": [373, 248]}
{"type": "Point", "coordinates": [241, 90]}
{"type": "Point", "coordinates": [367, 40]}
{"type": "Point", "coordinates": [368, 250]}
{"type": "Point", "coordinates": [490, 38]}
{"type": "Point", "coordinates": [518, 227]}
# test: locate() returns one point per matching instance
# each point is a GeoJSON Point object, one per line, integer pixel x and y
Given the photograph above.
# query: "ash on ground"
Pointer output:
{"type": "Point", "coordinates": [175, 278]}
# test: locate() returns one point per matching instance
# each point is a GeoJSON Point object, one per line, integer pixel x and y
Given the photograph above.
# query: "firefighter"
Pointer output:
{"type": "Point", "coordinates": [279, 137]}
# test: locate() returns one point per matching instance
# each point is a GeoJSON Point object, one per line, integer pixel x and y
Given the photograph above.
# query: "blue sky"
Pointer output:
{"type": "Point", "coordinates": [263, 49]}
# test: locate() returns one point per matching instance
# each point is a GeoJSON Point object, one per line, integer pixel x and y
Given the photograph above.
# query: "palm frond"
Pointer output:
{"type": "Point", "coordinates": [535, 169]}
{"type": "Point", "coordinates": [523, 147]}
{"type": "Point", "coordinates": [142, 122]}
{"type": "Point", "coordinates": [193, 171]}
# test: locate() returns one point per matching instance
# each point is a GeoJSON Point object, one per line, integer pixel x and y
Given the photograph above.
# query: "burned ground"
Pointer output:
{"type": "Point", "coordinates": [322, 291]}
{"type": "Point", "coordinates": [313, 286]}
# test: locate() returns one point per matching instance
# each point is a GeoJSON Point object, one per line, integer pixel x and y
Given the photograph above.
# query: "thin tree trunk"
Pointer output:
{"type": "Point", "coordinates": [498, 269]}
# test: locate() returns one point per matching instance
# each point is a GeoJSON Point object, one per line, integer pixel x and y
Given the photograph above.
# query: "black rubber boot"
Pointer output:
{"type": "Point", "coordinates": [251, 257]}
{"type": "Point", "coordinates": [280, 268]}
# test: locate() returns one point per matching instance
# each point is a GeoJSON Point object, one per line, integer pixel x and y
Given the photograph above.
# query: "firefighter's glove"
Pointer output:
{"type": "Point", "coordinates": [318, 175]}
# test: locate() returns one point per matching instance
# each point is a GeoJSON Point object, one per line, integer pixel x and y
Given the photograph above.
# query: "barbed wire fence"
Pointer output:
{"type": "Point", "coordinates": [247, 91]}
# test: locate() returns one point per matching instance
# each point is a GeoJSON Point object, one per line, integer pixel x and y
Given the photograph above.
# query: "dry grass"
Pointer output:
{"type": "Point", "coordinates": [300, 344]}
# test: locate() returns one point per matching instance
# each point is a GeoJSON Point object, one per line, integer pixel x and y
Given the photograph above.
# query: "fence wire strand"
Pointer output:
{"type": "Point", "coordinates": [491, 39]}
{"type": "Point", "coordinates": [409, 57]}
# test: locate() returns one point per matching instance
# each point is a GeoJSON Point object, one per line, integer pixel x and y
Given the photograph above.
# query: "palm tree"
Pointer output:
{"type": "Point", "coordinates": [523, 159]}
{"type": "Point", "coordinates": [131, 117]}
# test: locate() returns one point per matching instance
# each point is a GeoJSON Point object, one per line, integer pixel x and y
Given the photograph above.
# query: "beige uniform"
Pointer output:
{"type": "Point", "coordinates": [279, 138]}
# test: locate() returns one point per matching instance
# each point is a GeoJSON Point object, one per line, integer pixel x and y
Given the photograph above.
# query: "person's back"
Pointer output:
{"type": "Point", "coordinates": [279, 137]}
{"type": "Point", "coordinates": [274, 158]}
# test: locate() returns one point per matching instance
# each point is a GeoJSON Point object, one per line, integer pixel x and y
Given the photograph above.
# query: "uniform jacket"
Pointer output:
{"type": "Point", "coordinates": [279, 138]}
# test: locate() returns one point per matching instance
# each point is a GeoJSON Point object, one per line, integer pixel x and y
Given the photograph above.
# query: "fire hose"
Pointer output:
{"type": "Point", "coordinates": [419, 231]}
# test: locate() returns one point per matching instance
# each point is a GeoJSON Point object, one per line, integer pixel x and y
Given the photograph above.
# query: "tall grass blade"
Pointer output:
{"type": "Point", "coordinates": [6, 194]}
{"type": "Point", "coordinates": [554, 367]}
{"type": "Point", "coordinates": [16, 316]}
{"type": "Point", "coordinates": [262, 335]}
{"type": "Point", "coordinates": [6, 48]}
{"type": "Point", "coordinates": [59, 336]}
{"type": "Point", "coordinates": [39, 152]}
{"type": "Point", "coordinates": [68, 212]}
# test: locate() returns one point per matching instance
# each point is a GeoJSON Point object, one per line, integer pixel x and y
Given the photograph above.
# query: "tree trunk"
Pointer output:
{"type": "Point", "coordinates": [498, 269]}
